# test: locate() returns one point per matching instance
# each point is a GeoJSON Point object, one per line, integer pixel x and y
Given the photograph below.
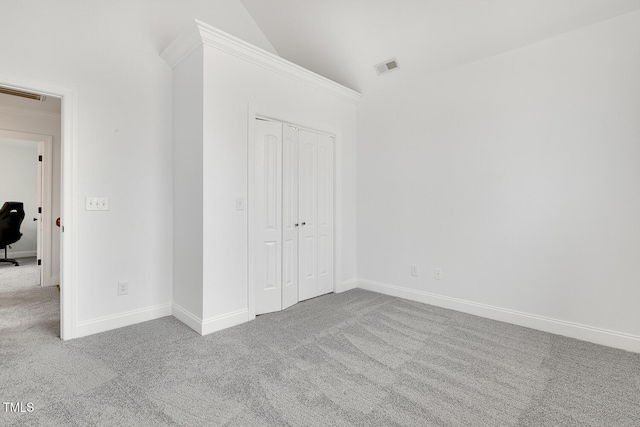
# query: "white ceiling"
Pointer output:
{"type": "Point", "coordinates": [344, 39]}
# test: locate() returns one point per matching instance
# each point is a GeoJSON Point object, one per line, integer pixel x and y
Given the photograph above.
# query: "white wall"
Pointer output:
{"type": "Point", "coordinates": [519, 175]}
{"type": "Point", "coordinates": [231, 85]}
{"type": "Point", "coordinates": [213, 120]}
{"type": "Point", "coordinates": [43, 118]}
{"type": "Point", "coordinates": [187, 185]}
{"type": "Point", "coordinates": [18, 166]}
{"type": "Point", "coordinates": [109, 53]}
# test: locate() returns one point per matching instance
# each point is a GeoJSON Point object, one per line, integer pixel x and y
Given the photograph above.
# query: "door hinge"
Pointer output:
{"type": "Point", "coordinates": [39, 210]}
{"type": "Point", "coordinates": [39, 158]}
{"type": "Point", "coordinates": [39, 262]}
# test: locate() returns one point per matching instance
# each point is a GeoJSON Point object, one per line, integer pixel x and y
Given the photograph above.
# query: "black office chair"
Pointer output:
{"type": "Point", "coordinates": [11, 216]}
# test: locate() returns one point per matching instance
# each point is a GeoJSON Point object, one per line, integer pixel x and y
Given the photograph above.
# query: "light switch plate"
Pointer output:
{"type": "Point", "coordinates": [414, 270]}
{"type": "Point", "coordinates": [239, 204]}
{"type": "Point", "coordinates": [97, 204]}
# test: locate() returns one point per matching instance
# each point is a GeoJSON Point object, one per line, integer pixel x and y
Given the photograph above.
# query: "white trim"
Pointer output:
{"type": "Point", "coordinates": [224, 321]}
{"type": "Point", "coordinates": [198, 33]}
{"type": "Point", "coordinates": [68, 252]}
{"type": "Point", "coordinates": [18, 254]}
{"type": "Point", "coordinates": [251, 135]}
{"type": "Point", "coordinates": [346, 285]}
{"type": "Point", "coordinates": [186, 317]}
{"type": "Point", "coordinates": [116, 321]}
{"type": "Point", "coordinates": [560, 327]}
{"type": "Point", "coordinates": [55, 280]}
{"type": "Point", "coordinates": [26, 112]}
{"type": "Point", "coordinates": [212, 324]}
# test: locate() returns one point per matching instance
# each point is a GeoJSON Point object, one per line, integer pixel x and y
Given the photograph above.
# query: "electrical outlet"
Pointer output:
{"type": "Point", "coordinates": [437, 274]}
{"type": "Point", "coordinates": [414, 270]}
{"type": "Point", "coordinates": [123, 288]}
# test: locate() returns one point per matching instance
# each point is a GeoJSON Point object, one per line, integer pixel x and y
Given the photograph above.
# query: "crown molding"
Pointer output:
{"type": "Point", "coordinates": [27, 112]}
{"type": "Point", "coordinates": [200, 34]}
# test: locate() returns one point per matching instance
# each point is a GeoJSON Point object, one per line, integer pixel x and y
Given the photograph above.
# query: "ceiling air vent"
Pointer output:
{"type": "Point", "coordinates": [387, 66]}
{"type": "Point", "coordinates": [21, 94]}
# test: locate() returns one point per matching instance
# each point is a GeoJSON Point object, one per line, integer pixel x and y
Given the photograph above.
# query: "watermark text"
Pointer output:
{"type": "Point", "coordinates": [17, 407]}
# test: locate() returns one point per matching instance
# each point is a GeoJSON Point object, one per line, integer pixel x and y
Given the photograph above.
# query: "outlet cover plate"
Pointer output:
{"type": "Point", "coordinates": [123, 288]}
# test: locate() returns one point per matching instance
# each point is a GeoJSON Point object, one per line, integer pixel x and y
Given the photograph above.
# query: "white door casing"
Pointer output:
{"type": "Point", "coordinates": [267, 217]}
{"type": "Point", "coordinates": [68, 196]}
{"type": "Point", "coordinates": [290, 224]}
{"type": "Point", "coordinates": [39, 203]}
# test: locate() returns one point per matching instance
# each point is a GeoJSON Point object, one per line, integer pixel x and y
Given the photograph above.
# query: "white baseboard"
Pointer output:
{"type": "Point", "coordinates": [347, 285]}
{"type": "Point", "coordinates": [54, 280]}
{"type": "Point", "coordinates": [218, 323]}
{"type": "Point", "coordinates": [213, 324]}
{"type": "Point", "coordinates": [560, 327]}
{"type": "Point", "coordinates": [186, 317]}
{"type": "Point", "coordinates": [18, 254]}
{"type": "Point", "coordinates": [108, 323]}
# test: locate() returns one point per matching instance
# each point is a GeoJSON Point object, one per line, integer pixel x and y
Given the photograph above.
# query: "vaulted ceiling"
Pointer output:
{"type": "Point", "coordinates": [343, 39]}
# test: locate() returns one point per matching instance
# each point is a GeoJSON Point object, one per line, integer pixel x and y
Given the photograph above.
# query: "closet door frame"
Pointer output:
{"type": "Point", "coordinates": [292, 119]}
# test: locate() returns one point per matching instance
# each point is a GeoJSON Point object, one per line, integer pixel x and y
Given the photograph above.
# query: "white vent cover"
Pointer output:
{"type": "Point", "coordinates": [387, 66]}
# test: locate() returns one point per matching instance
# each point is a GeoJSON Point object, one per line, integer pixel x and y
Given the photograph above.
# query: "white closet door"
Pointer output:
{"type": "Point", "coordinates": [308, 215]}
{"type": "Point", "coordinates": [290, 224]}
{"type": "Point", "coordinates": [267, 273]}
{"type": "Point", "coordinates": [325, 214]}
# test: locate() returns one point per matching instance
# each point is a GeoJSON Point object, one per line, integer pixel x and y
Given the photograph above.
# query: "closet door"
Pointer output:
{"type": "Point", "coordinates": [267, 217]}
{"type": "Point", "coordinates": [290, 223]}
{"type": "Point", "coordinates": [308, 215]}
{"type": "Point", "coordinates": [325, 214]}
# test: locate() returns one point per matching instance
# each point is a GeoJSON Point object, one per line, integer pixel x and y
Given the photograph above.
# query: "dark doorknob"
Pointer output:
{"type": "Point", "coordinates": [35, 219]}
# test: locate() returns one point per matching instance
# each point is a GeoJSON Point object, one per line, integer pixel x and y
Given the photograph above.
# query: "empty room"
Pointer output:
{"type": "Point", "coordinates": [320, 213]}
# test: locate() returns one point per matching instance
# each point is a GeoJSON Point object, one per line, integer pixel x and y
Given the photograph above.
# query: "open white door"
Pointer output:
{"type": "Point", "coordinates": [38, 217]}
{"type": "Point", "coordinates": [290, 223]}
{"type": "Point", "coordinates": [267, 216]}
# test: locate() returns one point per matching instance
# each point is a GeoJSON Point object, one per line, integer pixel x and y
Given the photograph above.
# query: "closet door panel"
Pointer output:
{"type": "Point", "coordinates": [308, 214]}
{"type": "Point", "coordinates": [290, 223]}
{"type": "Point", "coordinates": [267, 168]}
{"type": "Point", "coordinates": [325, 213]}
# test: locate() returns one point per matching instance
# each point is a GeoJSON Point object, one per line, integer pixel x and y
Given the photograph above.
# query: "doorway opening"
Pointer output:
{"type": "Point", "coordinates": [13, 119]}
{"type": "Point", "coordinates": [26, 160]}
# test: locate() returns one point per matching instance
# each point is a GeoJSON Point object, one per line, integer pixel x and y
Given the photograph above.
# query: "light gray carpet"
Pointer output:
{"type": "Point", "coordinates": [356, 358]}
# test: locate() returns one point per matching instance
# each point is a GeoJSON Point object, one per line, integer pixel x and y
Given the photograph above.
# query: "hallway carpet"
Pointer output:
{"type": "Point", "coordinates": [351, 359]}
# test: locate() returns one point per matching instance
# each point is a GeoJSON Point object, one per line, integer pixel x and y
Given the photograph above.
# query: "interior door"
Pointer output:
{"type": "Point", "coordinates": [267, 204]}
{"type": "Point", "coordinates": [325, 213]}
{"type": "Point", "coordinates": [290, 224]}
{"type": "Point", "coordinates": [308, 215]}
